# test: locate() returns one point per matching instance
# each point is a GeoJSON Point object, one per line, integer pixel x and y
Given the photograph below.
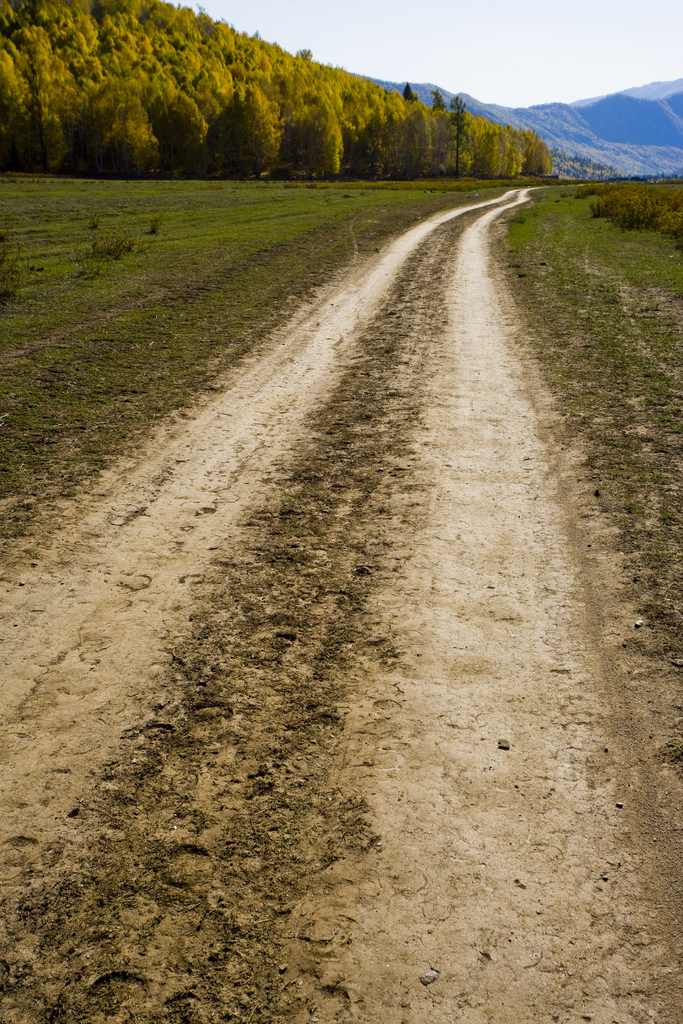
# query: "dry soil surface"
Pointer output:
{"type": "Point", "coordinates": [317, 710]}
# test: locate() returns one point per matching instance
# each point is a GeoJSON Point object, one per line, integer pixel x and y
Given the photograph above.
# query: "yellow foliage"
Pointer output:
{"type": "Point", "coordinates": [135, 87]}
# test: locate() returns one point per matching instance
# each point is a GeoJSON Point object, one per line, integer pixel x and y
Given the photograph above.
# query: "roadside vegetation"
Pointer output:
{"type": "Point", "coordinates": [138, 89]}
{"type": "Point", "coordinates": [123, 301]}
{"type": "Point", "coordinates": [603, 295]}
{"type": "Point", "coordinates": [639, 207]}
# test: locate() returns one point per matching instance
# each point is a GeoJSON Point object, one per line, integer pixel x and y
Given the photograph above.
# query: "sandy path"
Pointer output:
{"type": "Point", "coordinates": [505, 861]}
{"type": "Point", "coordinates": [85, 634]}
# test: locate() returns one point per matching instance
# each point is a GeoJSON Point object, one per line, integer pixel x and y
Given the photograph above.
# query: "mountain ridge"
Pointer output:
{"type": "Point", "coordinates": [651, 91]}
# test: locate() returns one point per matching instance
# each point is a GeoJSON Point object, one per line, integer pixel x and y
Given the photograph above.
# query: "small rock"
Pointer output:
{"type": "Point", "coordinates": [429, 977]}
{"type": "Point", "coordinates": [639, 623]}
{"type": "Point", "coordinates": [619, 805]}
{"type": "Point", "coordinates": [503, 744]}
{"type": "Point", "coordinates": [362, 570]}
{"type": "Point", "coordinates": [282, 968]}
{"type": "Point", "coordinates": [678, 662]}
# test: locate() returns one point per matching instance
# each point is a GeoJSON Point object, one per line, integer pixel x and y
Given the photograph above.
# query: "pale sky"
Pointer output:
{"type": "Point", "coordinates": [540, 53]}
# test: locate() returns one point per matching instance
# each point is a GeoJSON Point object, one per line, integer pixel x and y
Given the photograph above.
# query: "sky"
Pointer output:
{"type": "Point", "coordinates": [539, 53]}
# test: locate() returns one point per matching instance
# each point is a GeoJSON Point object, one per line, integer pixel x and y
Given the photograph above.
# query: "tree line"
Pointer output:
{"type": "Point", "coordinates": [132, 87]}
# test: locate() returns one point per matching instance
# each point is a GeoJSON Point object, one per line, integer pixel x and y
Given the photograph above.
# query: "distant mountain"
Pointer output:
{"type": "Point", "coordinates": [653, 91]}
{"type": "Point", "coordinates": [636, 134]}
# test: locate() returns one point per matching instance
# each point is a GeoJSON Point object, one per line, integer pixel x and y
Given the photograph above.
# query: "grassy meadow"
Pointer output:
{"type": "Point", "coordinates": [134, 296]}
{"type": "Point", "coordinates": [605, 311]}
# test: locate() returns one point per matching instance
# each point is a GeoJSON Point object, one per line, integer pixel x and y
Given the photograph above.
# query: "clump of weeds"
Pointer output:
{"type": "Point", "coordinates": [94, 222]}
{"type": "Point", "coordinates": [155, 223]}
{"type": "Point", "coordinates": [11, 271]}
{"type": "Point", "coordinates": [115, 244]}
{"type": "Point", "coordinates": [108, 245]}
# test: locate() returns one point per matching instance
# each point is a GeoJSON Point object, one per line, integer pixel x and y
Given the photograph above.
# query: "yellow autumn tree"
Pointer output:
{"type": "Point", "coordinates": [262, 129]}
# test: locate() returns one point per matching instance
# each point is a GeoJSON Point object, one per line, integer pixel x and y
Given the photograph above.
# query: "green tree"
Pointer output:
{"type": "Point", "coordinates": [438, 103]}
{"type": "Point", "coordinates": [458, 120]}
{"type": "Point", "coordinates": [408, 94]}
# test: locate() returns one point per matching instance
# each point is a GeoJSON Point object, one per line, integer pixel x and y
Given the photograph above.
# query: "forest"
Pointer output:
{"type": "Point", "coordinates": [134, 89]}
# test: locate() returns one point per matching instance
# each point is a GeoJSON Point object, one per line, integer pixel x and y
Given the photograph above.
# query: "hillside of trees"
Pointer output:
{"type": "Point", "coordinates": [126, 87]}
{"type": "Point", "coordinates": [579, 167]}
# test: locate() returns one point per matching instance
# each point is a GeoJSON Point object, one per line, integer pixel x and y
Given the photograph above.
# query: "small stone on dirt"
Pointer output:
{"type": "Point", "coordinates": [639, 623]}
{"type": "Point", "coordinates": [503, 744]}
{"type": "Point", "coordinates": [282, 968]}
{"type": "Point", "coordinates": [429, 977]}
{"type": "Point", "coordinates": [619, 805]}
{"type": "Point", "coordinates": [362, 570]}
{"type": "Point", "coordinates": [678, 662]}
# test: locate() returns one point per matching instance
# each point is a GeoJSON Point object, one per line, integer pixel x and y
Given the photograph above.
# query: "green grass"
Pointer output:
{"type": "Point", "coordinates": [135, 296]}
{"type": "Point", "coordinates": [606, 311]}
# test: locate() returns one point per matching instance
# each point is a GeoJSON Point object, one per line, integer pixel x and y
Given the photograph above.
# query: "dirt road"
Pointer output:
{"type": "Point", "coordinates": [313, 698]}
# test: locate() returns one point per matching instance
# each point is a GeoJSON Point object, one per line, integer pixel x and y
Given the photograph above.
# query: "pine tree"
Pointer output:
{"type": "Point", "coordinates": [458, 119]}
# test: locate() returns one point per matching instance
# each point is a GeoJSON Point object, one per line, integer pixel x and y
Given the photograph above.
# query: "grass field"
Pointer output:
{"type": "Point", "coordinates": [93, 347]}
{"type": "Point", "coordinates": [605, 308]}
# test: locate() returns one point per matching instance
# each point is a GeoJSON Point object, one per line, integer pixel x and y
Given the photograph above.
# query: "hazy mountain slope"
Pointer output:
{"type": "Point", "coordinates": [640, 122]}
{"type": "Point", "coordinates": [634, 135]}
{"type": "Point", "coordinates": [676, 103]}
{"type": "Point", "coordinates": [653, 91]}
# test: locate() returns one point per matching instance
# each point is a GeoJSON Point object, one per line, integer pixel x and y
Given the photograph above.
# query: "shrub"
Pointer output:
{"type": "Point", "coordinates": [586, 190]}
{"type": "Point", "coordinates": [155, 223]}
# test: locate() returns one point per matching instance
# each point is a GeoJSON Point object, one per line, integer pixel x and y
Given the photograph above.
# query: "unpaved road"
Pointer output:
{"type": "Point", "coordinates": [319, 694]}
